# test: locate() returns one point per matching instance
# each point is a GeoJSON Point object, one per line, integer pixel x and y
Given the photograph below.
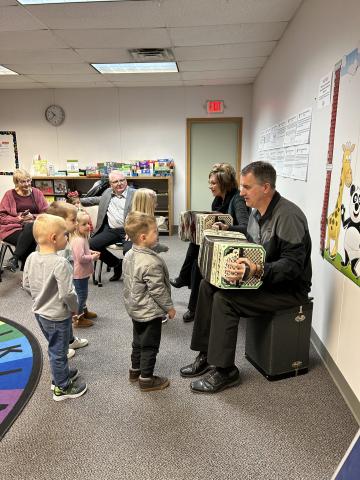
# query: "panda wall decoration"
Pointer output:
{"type": "Point", "coordinates": [352, 233]}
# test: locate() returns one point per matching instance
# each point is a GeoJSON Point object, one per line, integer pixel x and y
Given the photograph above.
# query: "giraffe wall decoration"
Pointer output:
{"type": "Point", "coordinates": [334, 219]}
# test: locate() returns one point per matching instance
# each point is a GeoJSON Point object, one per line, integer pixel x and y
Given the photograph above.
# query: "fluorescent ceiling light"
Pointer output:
{"type": "Point", "coordinates": [145, 67]}
{"type": "Point", "coordinates": [6, 71]}
{"type": "Point", "coordinates": [37, 2]}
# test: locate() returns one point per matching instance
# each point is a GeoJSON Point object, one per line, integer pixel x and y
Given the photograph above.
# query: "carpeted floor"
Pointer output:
{"type": "Point", "coordinates": [294, 429]}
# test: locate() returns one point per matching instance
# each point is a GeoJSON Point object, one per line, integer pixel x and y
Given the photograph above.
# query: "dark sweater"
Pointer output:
{"type": "Point", "coordinates": [283, 232]}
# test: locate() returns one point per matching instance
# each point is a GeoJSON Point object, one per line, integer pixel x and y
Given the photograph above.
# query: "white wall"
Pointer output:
{"type": "Point", "coordinates": [116, 124]}
{"type": "Point", "coordinates": [319, 35]}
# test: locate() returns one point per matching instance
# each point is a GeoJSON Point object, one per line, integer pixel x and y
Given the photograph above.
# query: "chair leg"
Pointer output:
{"type": "Point", "coordinates": [94, 274]}
{"type": "Point", "coordinates": [4, 247]}
{"type": "Point", "coordinates": [99, 276]}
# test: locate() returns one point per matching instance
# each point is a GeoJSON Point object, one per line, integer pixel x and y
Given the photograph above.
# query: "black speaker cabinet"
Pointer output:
{"type": "Point", "coordinates": [278, 343]}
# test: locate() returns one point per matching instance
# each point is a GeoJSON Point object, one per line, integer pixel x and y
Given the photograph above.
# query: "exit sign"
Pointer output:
{"type": "Point", "coordinates": [215, 106]}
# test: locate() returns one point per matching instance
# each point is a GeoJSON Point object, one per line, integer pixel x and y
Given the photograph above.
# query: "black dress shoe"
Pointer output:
{"type": "Point", "coordinates": [189, 316]}
{"type": "Point", "coordinates": [117, 273]}
{"type": "Point", "coordinates": [215, 381]}
{"type": "Point", "coordinates": [199, 367]}
{"type": "Point", "coordinates": [12, 264]}
{"type": "Point", "coordinates": [177, 282]}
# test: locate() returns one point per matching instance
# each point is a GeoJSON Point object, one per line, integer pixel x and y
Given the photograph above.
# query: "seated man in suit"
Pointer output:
{"type": "Point", "coordinates": [114, 205]}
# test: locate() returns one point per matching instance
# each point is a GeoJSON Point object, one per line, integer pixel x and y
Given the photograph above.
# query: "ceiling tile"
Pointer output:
{"type": "Point", "coordinates": [140, 14]}
{"type": "Point", "coordinates": [243, 73]}
{"type": "Point", "coordinates": [30, 40]}
{"type": "Point", "coordinates": [220, 81]}
{"type": "Point", "coordinates": [225, 63]}
{"type": "Point", "coordinates": [75, 78]}
{"type": "Point", "coordinates": [104, 55]}
{"type": "Point", "coordinates": [233, 50]}
{"type": "Point", "coordinates": [16, 18]}
{"type": "Point", "coordinates": [77, 85]}
{"type": "Point", "coordinates": [224, 34]}
{"type": "Point", "coordinates": [148, 83]}
{"type": "Point", "coordinates": [227, 12]}
{"type": "Point", "coordinates": [115, 38]}
{"type": "Point", "coordinates": [65, 55]}
{"type": "Point", "coordinates": [50, 68]}
{"type": "Point", "coordinates": [5, 3]}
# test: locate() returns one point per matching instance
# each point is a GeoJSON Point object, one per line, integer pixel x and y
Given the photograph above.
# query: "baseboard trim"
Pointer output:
{"type": "Point", "coordinates": [350, 398]}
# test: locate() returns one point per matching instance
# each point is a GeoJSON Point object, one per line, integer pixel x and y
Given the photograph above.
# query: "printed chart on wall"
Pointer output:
{"type": "Point", "coordinates": [8, 153]}
{"type": "Point", "coordinates": [340, 226]}
{"type": "Point", "coordinates": [286, 145]}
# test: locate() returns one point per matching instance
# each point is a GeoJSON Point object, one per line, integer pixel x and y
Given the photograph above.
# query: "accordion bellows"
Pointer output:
{"type": "Point", "coordinates": [218, 249]}
{"type": "Point", "coordinates": [193, 223]}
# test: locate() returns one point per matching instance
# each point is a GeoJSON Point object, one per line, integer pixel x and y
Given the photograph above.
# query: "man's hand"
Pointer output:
{"type": "Point", "coordinates": [237, 269]}
{"type": "Point", "coordinates": [171, 313]}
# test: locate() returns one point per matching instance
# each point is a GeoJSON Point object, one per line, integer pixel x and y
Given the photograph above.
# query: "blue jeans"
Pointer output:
{"type": "Point", "coordinates": [82, 289]}
{"type": "Point", "coordinates": [57, 333]}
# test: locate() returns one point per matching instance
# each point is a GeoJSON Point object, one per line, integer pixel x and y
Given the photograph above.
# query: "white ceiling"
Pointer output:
{"type": "Point", "coordinates": [215, 42]}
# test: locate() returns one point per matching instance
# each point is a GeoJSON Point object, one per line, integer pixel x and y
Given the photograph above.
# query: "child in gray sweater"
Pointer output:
{"type": "Point", "coordinates": [48, 278]}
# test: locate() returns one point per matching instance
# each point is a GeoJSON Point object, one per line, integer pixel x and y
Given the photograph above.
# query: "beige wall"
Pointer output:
{"type": "Point", "coordinates": [116, 124]}
{"type": "Point", "coordinates": [320, 34]}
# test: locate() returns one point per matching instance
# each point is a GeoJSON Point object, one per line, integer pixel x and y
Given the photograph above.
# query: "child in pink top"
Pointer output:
{"type": "Point", "coordinates": [83, 259]}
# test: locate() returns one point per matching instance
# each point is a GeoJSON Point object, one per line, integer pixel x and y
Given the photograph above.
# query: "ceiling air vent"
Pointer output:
{"type": "Point", "coordinates": [152, 54]}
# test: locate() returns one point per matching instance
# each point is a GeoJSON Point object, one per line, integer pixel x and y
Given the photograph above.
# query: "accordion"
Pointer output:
{"type": "Point", "coordinates": [192, 224]}
{"type": "Point", "coordinates": [218, 249]}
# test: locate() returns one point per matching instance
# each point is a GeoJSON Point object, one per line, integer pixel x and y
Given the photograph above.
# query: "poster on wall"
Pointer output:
{"type": "Point", "coordinates": [8, 153]}
{"type": "Point", "coordinates": [340, 232]}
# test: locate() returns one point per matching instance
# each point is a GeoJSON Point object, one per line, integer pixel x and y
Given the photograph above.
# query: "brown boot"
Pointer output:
{"type": "Point", "coordinates": [80, 322]}
{"type": "Point", "coordinates": [88, 314]}
{"type": "Point", "coordinates": [153, 383]}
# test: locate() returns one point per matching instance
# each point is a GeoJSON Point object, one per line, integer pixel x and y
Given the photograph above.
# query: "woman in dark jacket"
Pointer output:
{"type": "Point", "coordinates": [223, 185]}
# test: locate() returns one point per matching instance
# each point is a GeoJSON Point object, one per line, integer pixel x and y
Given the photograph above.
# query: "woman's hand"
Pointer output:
{"type": "Point", "coordinates": [220, 226]}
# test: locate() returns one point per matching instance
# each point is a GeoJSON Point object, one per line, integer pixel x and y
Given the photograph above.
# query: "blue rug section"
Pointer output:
{"type": "Point", "coordinates": [20, 370]}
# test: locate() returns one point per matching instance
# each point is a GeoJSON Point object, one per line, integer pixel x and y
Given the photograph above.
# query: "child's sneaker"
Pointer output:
{"type": "Point", "coordinates": [134, 374]}
{"type": "Point", "coordinates": [78, 343]}
{"type": "Point", "coordinates": [72, 391]}
{"type": "Point", "coordinates": [79, 321]}
{"type": "Point", "coordinates": [73, 375]}
{"type": "Point", "coordinates": [150, 384]}
{"type": "Point", "coordinates": [70, 353]}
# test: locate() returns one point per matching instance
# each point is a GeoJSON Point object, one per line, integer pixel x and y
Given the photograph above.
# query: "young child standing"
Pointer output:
{"type": "Point", "coordinates": [147, 297]}
{"type": "Point", "coordinates": [83, 259]}
{"type": "Point", "coordinates": [48, 278]}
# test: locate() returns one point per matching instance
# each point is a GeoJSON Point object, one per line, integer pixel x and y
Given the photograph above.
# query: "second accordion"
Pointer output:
{"type": "Point", "coordinates": [192, 224]}
{"type": "Point", "coordinates": [219, 249]}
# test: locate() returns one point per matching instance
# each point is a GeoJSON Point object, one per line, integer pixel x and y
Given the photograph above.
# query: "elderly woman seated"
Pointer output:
{"type": "Point", "coordinates": [18, 210]}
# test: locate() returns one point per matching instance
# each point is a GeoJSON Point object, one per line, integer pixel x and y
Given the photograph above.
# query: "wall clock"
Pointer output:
{"type": "Point", "coordinates": [55, 115]}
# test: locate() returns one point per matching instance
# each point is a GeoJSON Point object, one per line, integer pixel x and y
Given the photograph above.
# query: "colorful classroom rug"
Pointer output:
{"type": "Point", "coordinates": [20, 370]}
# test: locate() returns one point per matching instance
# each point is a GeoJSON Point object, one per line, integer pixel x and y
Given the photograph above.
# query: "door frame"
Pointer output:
{"type": "Point", "coordinates": [189, 123]}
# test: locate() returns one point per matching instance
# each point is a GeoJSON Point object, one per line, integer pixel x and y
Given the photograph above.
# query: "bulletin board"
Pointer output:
{"type": "Point", "coordinates": [340, 223]}
{"type": "Point", "coordinates": [9, 160]}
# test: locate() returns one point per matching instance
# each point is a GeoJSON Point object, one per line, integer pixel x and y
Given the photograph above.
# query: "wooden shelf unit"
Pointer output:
{"type": "Point", "coordinates": [163, 186]}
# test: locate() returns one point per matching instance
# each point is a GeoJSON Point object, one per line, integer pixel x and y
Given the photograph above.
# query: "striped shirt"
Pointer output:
{"type": "Point", "coordinates": [116, 209]}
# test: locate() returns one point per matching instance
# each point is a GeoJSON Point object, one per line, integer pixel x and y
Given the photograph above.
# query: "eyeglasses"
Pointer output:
{"type": "Point", "coordinates": [23, 182]}
{"type": "Point", "coordinates": [117, 182]}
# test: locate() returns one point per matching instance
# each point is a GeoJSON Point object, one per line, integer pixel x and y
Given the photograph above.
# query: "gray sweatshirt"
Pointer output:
{"type": "Point", "coordinates": [48, 278]}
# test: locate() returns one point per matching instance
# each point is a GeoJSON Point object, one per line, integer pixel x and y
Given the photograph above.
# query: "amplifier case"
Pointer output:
{"type": "Point", "coordinates": [278, 343]}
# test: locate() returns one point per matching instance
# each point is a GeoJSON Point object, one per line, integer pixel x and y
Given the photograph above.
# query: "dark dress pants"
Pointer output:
{"type": "Point", "coordinates": [105, 237]}
{"type": "Point", "coordinates": [218, 313]}
{"type": "Point", "coordinates": [23, 240]}
{"type": "Point", "coordinates": [188, 265]}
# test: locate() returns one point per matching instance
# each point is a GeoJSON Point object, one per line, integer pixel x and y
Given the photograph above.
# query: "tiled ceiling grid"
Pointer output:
{"type": "Point", "coordinates": [215, 42]}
